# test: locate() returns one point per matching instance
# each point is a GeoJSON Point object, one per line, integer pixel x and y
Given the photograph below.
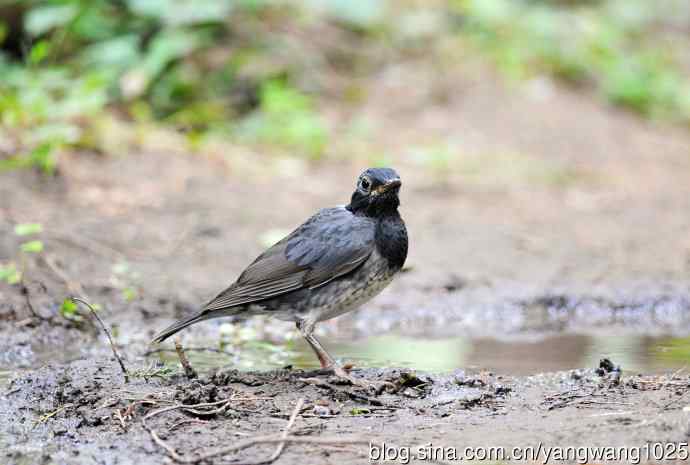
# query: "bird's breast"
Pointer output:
{"type": "Point", "coordinates": [391, 241]}
{"type": "Point", "coordinates": [345, 294]}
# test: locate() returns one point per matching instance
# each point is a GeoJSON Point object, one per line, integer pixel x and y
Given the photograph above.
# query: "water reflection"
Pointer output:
{"type": "Point", "coordinates": [520, 357]}
{"type": "Point", "coordinates": [634, 353]}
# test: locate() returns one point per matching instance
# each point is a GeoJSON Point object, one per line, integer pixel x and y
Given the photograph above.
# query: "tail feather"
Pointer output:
{"type": "Point", "coordinates": [175, 327]}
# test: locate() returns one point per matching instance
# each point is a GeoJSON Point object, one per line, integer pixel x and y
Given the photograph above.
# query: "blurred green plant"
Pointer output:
{"type": "Point", "coordinates": [70, 311]}
{"type": "Point", "coordinates": [608, 43]}
{"type": "Point", "coordinates": [126, 279]}
{"type": "Point", "coordinates": [287, 118]}
{"type": "Point", "coordinates": [25, 229]}
{"type": "Point", "coordinates": [253, 70]}
{"type": "Point", "coordinates": [181, 62]}
{"type": "Point", "coordinates": [10, 272]}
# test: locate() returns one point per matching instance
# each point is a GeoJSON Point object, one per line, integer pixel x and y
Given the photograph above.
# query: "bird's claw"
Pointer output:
{"type": "Point", "coordinates": [375, 386]}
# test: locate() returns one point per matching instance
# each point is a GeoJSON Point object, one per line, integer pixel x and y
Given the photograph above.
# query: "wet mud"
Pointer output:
{"type": "Point", "coordinates": [83, 412]}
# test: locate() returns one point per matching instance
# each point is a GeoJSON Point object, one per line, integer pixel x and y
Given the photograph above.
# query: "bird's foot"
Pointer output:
{"type": "Point", "coordinates": [374, 386]}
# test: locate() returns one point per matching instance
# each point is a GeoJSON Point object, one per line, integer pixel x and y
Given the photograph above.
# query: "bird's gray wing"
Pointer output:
{"type": "Point", "coordinates": [330, 244]}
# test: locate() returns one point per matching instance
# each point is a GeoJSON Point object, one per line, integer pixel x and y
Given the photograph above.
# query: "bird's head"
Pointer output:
{"type": "Point", "coordinates": [376, 192]}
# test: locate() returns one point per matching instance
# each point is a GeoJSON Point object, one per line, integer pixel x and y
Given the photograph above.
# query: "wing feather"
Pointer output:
{"type": "Point", "coordinates": [330, 244]}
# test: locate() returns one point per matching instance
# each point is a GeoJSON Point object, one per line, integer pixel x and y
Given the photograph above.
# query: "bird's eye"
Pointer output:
{"type": "Point", "coordinates": [365, 183]}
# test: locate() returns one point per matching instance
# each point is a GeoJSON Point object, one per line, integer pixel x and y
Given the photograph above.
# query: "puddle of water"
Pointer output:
{"type": "Point", "coordinates": [633, 353]}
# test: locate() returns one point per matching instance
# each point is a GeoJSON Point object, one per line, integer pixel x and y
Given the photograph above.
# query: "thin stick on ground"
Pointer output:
{"type": "Point", "coordinates": [50, 415]}
{"type": "Point", "coordinates": [349, 392]}
{"type": "Point", "coordinates": [255, 441]}
{"type": "Point", "coordinates": [189, 372]}
{"type": "Point", "coordinates": [280, 439]}
{"type": "Point", "coordinates": [107, 333]}
{"type": "Point", "coordinates": [286, 431]}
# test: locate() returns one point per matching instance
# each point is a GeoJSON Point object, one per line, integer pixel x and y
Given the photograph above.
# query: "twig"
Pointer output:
{"type": "Point", "coordinates": [350, 393]}
{"type": "Point", "coordinates": [598, 402]}
{"type": "Point", "coordinates": [216, 411]}
{"type": "Point", "coordinates": [273, 439]}
{"type": "Point", "coordinates": [169, 449]}
{"type": "Point", "coordinates": [118, 415]}
{"type": "Point", "coordinates": [107, 333]}
{"type": "Point", "coordinates": [187, 422]}
{"type": "Point", "coordinates": [283, 438]}
{"type": "Point", "coordinates": [286, 431]}
{"type": "Point", "coordinates": [673, 401]}
{"type": "Point", "coordinates": [185, 407]}
{"type": "Point", "coordinates": [50, 415]}
{"type": "Point", "coordinates": [255, 441]}
{"type": "Point", "coordinates": [188, 370]}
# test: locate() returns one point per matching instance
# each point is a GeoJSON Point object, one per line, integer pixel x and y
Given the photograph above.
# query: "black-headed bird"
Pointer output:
{"type": "Point", "coordinates": [337, 260]}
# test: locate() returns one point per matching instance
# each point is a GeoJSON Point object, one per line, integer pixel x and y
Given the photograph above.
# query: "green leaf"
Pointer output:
{"type": "Point", "coordinates": [39, 52]}
{"type": "Point", "coordinates": [129, 293]}
{"type": "Point", "coordinates": [69, 310]}
{"type": "Point", "coordinates": [24, 229]}
{"type": "Point", "coordinates": [40, 20]}
{"type": "Point", "coordinates": [359, 411]}
{"type": "Point", "coordinates": [183, 12]}
{"type": "Point", "coordinates": [118, 52]}
{"type": "Point", "coordinates": [361, 13]}
{"type": "Point", "coordinates": [10, 274]}
{"type": "Point", "coordinates": [43, 157]}
{"type": "Point", "coordinates": [32, 247]}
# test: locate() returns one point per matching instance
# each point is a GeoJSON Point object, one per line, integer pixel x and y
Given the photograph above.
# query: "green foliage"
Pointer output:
{"type": "Point", "coordinates": [31, 247]}
{"type": "Point", "coordinates": [286, 118]}
{"type": "Point", "coordinates": [129, 293]}
{"type": "Point", "coordinates": [608, 43]}
{"type": "Point", "coordinates": [25, 229]}
{"type": "Point", "coordinates": [125, 279]}
{"type": "Point", "coordinates": [10, 274]}
{"type": "Point", "coordinates": [240, 68]}
{"type": "Point", "coordinates": [70, 311]}
{"type": "Point", "coordinates": [178, 61]}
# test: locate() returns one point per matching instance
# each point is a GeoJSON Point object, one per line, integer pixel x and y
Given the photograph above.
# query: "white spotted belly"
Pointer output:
{"type": "Point", "coordinates": [348, 301]}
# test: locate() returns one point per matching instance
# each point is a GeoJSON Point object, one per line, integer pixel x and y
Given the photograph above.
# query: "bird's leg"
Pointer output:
{"type": "Point", "coordinates": [328, 362]}
{"type": "Point", "coordinates": [307, 331]}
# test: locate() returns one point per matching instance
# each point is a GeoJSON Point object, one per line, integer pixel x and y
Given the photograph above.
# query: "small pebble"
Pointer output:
{"type": "Point", "coordinates": [321, 410]}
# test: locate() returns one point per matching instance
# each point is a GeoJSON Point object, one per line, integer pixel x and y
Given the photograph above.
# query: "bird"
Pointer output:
{"type": "Point", "coordinates": [337, 260]}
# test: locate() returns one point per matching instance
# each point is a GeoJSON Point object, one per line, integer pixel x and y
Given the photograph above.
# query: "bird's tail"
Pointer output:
{"type": "Point", "coordinates": [175, 327]}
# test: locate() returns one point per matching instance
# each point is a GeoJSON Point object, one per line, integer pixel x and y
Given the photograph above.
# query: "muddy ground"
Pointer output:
{"type": "Point", "coordinates": [555, 216]}
{"type": "Point", "coordinates": [85, 413]}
